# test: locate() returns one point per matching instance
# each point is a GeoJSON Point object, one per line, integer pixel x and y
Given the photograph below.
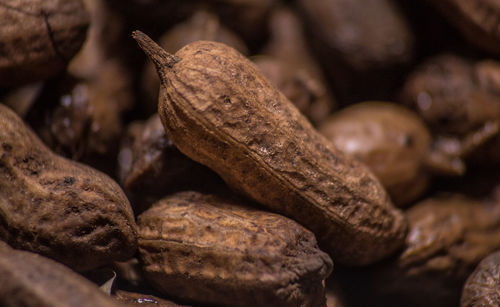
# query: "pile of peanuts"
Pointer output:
{"type": "Point", "coordinates": [249, 153]}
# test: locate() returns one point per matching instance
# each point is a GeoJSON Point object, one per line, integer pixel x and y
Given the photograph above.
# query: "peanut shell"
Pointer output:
{"type": "Point", "coordinates": [214, 250]}
{"type": "Point", "coordinates": [220, 111]}
{"type": "Point", "coordinates": [58, 207]}
{"type": "Point", "coordinates": [202, 25]}
{"type": "Point", "coordinates": [29, 279]}
{"type": "Point", "coordinates": [482, 288]}
{"type": "Point", "coordinates": [390, 139]}
{"type": "Point", "coordinates": [363, 45]}
{"type": "Point", "coordinates": [139, 299]}
{"type": "Point", "coordinates": [152, 167]}
{"type": "Point", "coordinates": [289, 45]}
{"type": "Point", "coordinates": [454, 95]}
{"type": "Point", "coordinates": [477, 21]}
{"type": "Point", "coordinates": [448, 236]}
{"type": "Point", "coordinates": [38, 38]}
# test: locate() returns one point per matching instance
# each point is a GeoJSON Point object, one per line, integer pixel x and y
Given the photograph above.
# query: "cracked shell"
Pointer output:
{"type": "Point", "coordinates": [38, 38]}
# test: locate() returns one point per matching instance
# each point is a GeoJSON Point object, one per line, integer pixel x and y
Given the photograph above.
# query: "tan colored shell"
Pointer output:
{"type": "Point", "coordinates": [57, 207]}
{"type": "Point", "coordinates": [38, 38]}
{"type": "Point", "coordinates": [30, 280]}
{"type": "Point", "coordinates": [219, 110]}
{"type": "Point", "coordinates": [214, 250]}
{"type": "Point", "coordinates": [390, 139]}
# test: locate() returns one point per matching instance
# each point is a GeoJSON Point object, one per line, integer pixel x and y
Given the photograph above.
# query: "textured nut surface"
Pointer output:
{"type": "Point", "coordinates": [482, 288]}
{"type": "Point", "coordinates": [222, 112]}
{"type": "Point", "coordinates": [38, 38]}
{"type": "Point", "coordinates": [214, 250]}
{"type": "Point", "coordinates": [29, 279]}
{"type": "Point", "coordinates": [388, 138]}
{"type": "Point", "coordinates": [57, 207]}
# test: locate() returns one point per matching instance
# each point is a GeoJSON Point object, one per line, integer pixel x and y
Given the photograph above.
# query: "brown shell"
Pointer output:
{"type": "Point", "coordinates": [366, 34]}
{"type": "Point", "coordinates": [454, 95]}
{"type": "Point", "coordinates": [82, 119]}
{"type": "Point", "coordinates": [245, 17]}
{"type": "Point", "coordinates": [363, 45]}
{"type": "Point", "coordinates": [30, 280]}
{"type": "Point", "coordinates": [482, 288]}
{"type": "Point", "coordinates": [289, 46]}
{"type": "Point", "coordinates": [220, 110]}
{"type": "Point", "coordinates": [448, 237]}
{"type": "Point", "coordinates": [477, 20]}
{"type": "Point", "coordinates": [152, 167]}
{"type": "Point", "coordinates": [38, 38]}
{"type": "Point", "coordinates": [302, 88]}
{"type": "Point", "coordinates": [388, 138]}
{"type": "Point", "coordinates": [138, 299]}
{"type": "Point", "coordinates": [201, 26]}
{"type": "Point", "coordinates": [214, 250]}
{"type": "Point", "coordinates": [57, 207]}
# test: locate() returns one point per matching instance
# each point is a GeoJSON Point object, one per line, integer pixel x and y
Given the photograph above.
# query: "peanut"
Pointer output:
{"type": "Point", "coordinates": [219, 110]}
{"type": "Point", "coordinates": [38, 38]}
{"type": "Point", "coordinates": [215, 250]}
{"type": "Point", "coordinates": [57, 207]}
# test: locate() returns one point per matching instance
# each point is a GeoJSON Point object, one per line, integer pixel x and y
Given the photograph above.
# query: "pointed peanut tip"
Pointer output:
{"type": "Point", "coordinates": [156, 54]}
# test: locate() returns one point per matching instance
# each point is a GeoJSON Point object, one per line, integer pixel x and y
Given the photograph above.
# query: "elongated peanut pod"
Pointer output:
{"type": "Point", "coordinates": [222, 112]}
{"type": "Point", "coordinates": [57, 207]}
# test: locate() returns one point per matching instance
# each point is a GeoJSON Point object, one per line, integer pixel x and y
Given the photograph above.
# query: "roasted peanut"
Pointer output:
{"type": "Point", "coordinates": [448, 236]}
{"type": "Point", "coordinates": [57, 207]}
{"type": "Point", "coordinates": [219, 110]}
{"type": "Point", "coordinates": [29, 280]}
{"type": "Point", "coordinates": [38, 38]}
{"type": "Point", "coordinates": [202, 25]}
{"type": "Point", "coordinates": [215, 250]}
{"type": "Point", "coordinates": [477, 20]}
